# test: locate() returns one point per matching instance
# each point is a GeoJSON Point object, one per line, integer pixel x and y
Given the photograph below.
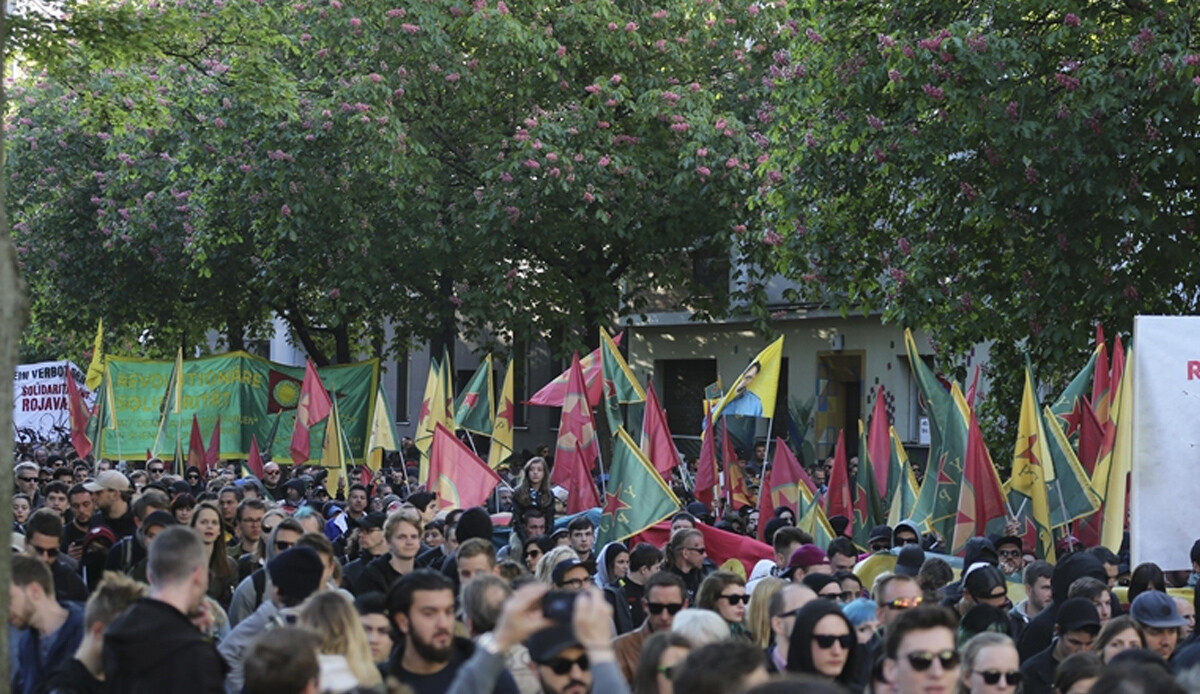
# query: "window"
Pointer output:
{"type": "Point", "coordinates": [684, 381]}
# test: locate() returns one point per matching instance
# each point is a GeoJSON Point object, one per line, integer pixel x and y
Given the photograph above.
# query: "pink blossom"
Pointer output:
{"type": "Point", "coordinates": [410, 28]}
{"type": "Point", "coordinates": [612, 26]}
{"type": "Point", "coordinates": [355, 22]}
{"type": "Point", "coordinates": [874, 122]}
{"type": "Point", "coordinates": [335, 293]}
{"type": "Point", "coordinates": [452, 77]}
{"type": "Point", "coordinates": [1031, 175]}
{"type": "Point", "coordinates": [501, 7]}
{"type": "Point", "coordinates": [592, 89]}
{"type": "Point", "coordinates": [894, 75]}
{"type": "Point", "coordinates": [561, 51]}
{"type": "Point", "coordinates": [551, 157]}
{"type": "Point", "coordinates": [397, 12]}
{"type": "Point", "coordinates": [904, 246]}
{"type": "Point", "coordinates": [588, 197]}
{"type": "Point", "coordinates": [285, 211]}
{"type": "Point", "coordinates": [1071, 20]}
{"type": "Point", "coordinates": [219, 122]}
{"type": "Point", "coordinates": [731, 163]}
{"type": "Point", "coordinates": [886, 41]}
{"type": "Point", "coordinates": [720, 124]}
{"type": "Point", "coordinates": [514, 213]}
{"type": "Point", "coordinates": [555, 172]}
{"type": "Point", "coordinates": [244, 168]}
{"type": "Point", "coordinates": [375, 77]}
{"type": "Point", "coordinates": [506, 177]}
{"type": "Point", "coordinates": [670, 97]}
{"type": "Point", "coordinates": [532, 164]}
{"type": "Point", "coordinates": [933, 92]}
{"type": "Point", "coordinates": [752, 10]}
{"type": "Point", "coordinates": [680, 127]}
{"type": "Point", "coordinates": [631, 27]}
{"type": "Point", "coordinates": [772, 238]}
{"type": "Point", "coordinates": [659, 14]}
{"type": "Point", "coordinates": [335, 4]}
{"type": "Point", "coordinates": [603, 125]}
{"type": "Point", "coordinates": [739, 228]}
{"type": "Point", "coordinates": [813, 36]}
{"type": "Point", "coordinates": [703, 171]}
{"type": "Point", "coordinates": [604, 160]}
{"type": "Point", "coordinates": [615, 79]}
{"type": "Point", "coordinates": [1066, 81]}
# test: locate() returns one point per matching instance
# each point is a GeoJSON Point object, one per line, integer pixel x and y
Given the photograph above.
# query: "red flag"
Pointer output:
{"type": "Point", "coordinates": [456, 474]}
{"type": "Point", "coordinates": [656, 437]}
{"type": "Point", "coordinates": [555, 392]}
{"type": "Point", "coordinates": [577, 445]}
{"type": "Point", "coordinates": [255, 461]}
{"type": "Point", "coordinates": [314, 406]}
{"type": "Point", "coordinates": [879, 442]}
{"type": "Point", "coordinates": [706, 465]}
{"type": "Point", "coordinates": [365, 477]}
{"type": "Point", "coordinates": [197, 456]}
{"type": "Point", "coordinates": [1101, 381]}
{"type": "Point", "coordinates": [582, 494]}
{"type": "Point", "coordinates": [980, 498]}
{"type": "Point", "coordinates": [781, 488]}
{"type": "Point", "coordinates": [149, 455]}
{"type": "Point", "coordinates": [1091, 436]}
{"type": "Point", "coordinates": [838, 501]}
{"type": "Point", "coordinates": [719, 545]}
{"type": "Point", "coordinates": [735, 491]}
{"type": "Point", "coordinates": [970, 390]}
{"type": "Point", "coordinates": [213, 454]}
{"type": "Point", "coordinates": [79, 418]}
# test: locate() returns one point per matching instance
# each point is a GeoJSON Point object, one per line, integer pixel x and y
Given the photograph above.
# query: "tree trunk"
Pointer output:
{"type": "Point", "coordinates": [13, 314]}
{"type": "Point", "coordinates": [235, 335]}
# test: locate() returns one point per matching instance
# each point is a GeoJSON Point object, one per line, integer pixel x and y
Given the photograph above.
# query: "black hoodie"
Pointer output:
{"type": "Point", "coordinates": [153, 648]}
{"type": "Point", "coordinates": [1040, 630]}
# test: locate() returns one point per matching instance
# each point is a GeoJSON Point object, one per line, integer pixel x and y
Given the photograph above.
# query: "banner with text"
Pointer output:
{"type": "Point", "coordinates": [251, 395]}
{"type": "Point", "coordinates": [1166, 439]}
{"type": "Point", "coordinates": [40, 410]}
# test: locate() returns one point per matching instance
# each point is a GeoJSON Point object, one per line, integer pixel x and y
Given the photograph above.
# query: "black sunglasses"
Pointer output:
{"type": "Point", "coordinates": [281, 546]}
{"type": "Point", "coordinates": [671, 607]}
{"type": "Point", "coordinates": [826, 641]}
{"type": "Point", "coordinates": [156, 471]}
{"type": "Point", "coordinates": [193, 477]}
{"type": "Point", "coordinates": [736, 599]}
{"type": "Point", "coordinates": [923, 660]}
{"type": "Point", "coordinates": [993, 677]}
{"type": "Point", "coordinates": [533, 553]}
{"type": "Point", "coordinates": [27, 479]}
{"type": "Point", "coordinates": [830, 596]}
{"type": "Point", "coordinates": [561, 666]}
{"type": "Point", "coordinates": [51, 552]}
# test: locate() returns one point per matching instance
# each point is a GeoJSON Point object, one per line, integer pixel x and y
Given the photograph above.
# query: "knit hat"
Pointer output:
{"type": "Point", "coordinates": [909, 561]}
{"type": "Point", "coordinates": [296, 573]}
{"type": "Point", "coordinates": [1079, 614]}
{"type": "Point", "coordinates": [474, 522]}
{"type": "Point", "coordinates": [860, 610]}
{"type": "Point", "coordinates": [804, 557]}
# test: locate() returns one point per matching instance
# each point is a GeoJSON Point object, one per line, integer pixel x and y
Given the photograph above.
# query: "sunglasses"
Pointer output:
{"type": "Point", "coordinates": [267, 530]}
{"type": "Point", "coordinates": [1010, 553]}
{"type": "Point", "coordinates": [923, 660]}
{"type": "Point", "coordinates": [701, 550]}
{"type": "Point", "coordinates": [281, 546]}
{"type": "Point", "coordinates": [533, 553]}
{"type": "Point", "coordinates": [272, 472]}
{"type": "Point", "coordinates": [668, 671]}
{"type": "Point", "coordinates": [736, 599]}
{"type": "Point", "coordinates": [672, 608]}
{"type": "Point", "coordinates": [993, 677]}
{"type": "Point", "coordinates": [791, 613]}
{"type": "Point", "coordinates": [193, 477]}
{"type": "Point", "coordinates": [907, 541]}
{"type": "Point", "coordinates": [826, 641]}
{"type": "Point", "coordinates": [156, 471]}
{"type": "Point", "coordinates": [903, 603]}
{"type": "Point", "coordinates": [51, 552]}
{"type": "Point", "coordinates": [27, 479]}
{"type": "Point", "coordinates": [561, 666]}
{"type": "Point", "coordinates": [830, 596]}
{"type": "Point", "coordinates": [880, 546]}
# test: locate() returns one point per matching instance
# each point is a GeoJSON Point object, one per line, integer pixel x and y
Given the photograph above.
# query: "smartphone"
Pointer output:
{"type": "Point", "coordinates": [559, 605]}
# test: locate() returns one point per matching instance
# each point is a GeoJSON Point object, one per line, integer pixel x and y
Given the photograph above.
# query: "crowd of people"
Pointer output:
{"type": "Point", "coordinates": [132, 578]}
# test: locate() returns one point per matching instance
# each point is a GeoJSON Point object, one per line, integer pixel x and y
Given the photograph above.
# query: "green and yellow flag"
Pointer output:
{"type": "Point", "coordinates": [474, 410]}
{"type": "Point", "coordinates": [383, 432]}
{"type": "Point", "coordinates": [620, 386]}
{"type": "Point", "coordinates": [502, 423]}
{"type": "Point", "coordinates": [95, 372]}
{"type": "Point", "coordinates": [1027, 486]}
{"type": "Point", "coordinates": [904, 499]}
{"type": "Point", "coordinates": [636, 497]}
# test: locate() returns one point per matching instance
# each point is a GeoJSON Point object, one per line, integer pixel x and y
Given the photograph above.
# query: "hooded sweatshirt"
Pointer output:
{"type": "Point", "coordinates": [153, 648]}
{"type": "Point", "coordinates": [1040, 631]}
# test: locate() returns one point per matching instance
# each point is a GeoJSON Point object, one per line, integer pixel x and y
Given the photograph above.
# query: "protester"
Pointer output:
{"type": "Point", "coordinates": [702, 627]}
{"type": "Point", "coordinates": [583, 538]}
{"type": "Point", "coordinates": [84, 673]}
{"type": "Point", "coordinates": [1036, 579]}
{"type": "Point", "coordinates": [823, 643]}
{"type": "Point", "coordinates": [1120, 634]}
{"type": "Point", "coordinates": [112, 493]}
{"type": "Point", "coordinates": [990, 665]}
{"type": "Point", "coordinates": [154, 647]}
{"type": "Point", "coordinates": [283, 661]}
{"type": "Point", "coordinates": [475, 557]}
{"type": "Point", "coordinates": [721, 668]}
{"type": "Point", "coordinates": [369, 537]}
{"type": "Point", "coordinates": [665, 597]}
{"type": "Point", "coordinates": [533, 492]}
{"type": "Point", "coordinates": [82, 507]}
{"type": "Point", "coordinates": [724, 592]}
{"type": "Point", "coordinates": [222, 572]}
{"type": "Point", "coordinates": [43, 538]}
{"type": "Point", "coordinates": [51, 632]}
{"type": "Point", "coordinates": [920, 652]}
{"type": "Point", "coordinates": [758, 617]}
{"type": "Point", "coordinates": [1076, 625]}
{"type": "Point", "coordinates": [1155, 614]}
{"type": "Point", "coordinates": [684, 556]}
{"type": "Point", "coordinates": [1077, 673]}
{"type": "Point", "coordinates": [343, 653]}
{"type": "Point", "coordinates": [250, 591]}
{"type": "Point", "coordinates": [372, 614]}
{"type": "Point", "coordinates": [661, 657]}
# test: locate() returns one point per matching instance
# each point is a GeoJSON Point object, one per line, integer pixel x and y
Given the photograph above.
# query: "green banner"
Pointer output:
{"type": "Point", "coordinates": [251, 395]}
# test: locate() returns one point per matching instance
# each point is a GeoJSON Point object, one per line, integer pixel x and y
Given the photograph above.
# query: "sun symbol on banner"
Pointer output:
{"type": "Point", "coordinates": [287, 394]}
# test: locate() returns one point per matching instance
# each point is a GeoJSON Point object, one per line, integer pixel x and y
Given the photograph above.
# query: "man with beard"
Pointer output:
{"type": "Point", "coordinates": [356, 509]}
{"type": "Point", "coordinates": [566, 658]}
{"type": "Point", "coordinates": [421, 604]}
{"type": "Point", "coordinates": [50, 632]}
{"type": "Point", "coordinates": [112, 492]}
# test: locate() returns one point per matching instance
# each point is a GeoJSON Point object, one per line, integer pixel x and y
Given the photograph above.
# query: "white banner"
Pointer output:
{"type": "Point", "coordinates": [40, 400]}
{"type": "Point", "coordinates": [1165, 486]}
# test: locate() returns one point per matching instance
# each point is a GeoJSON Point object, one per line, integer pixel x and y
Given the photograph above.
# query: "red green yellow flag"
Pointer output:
{"type": "Point", "coordinates": [636, 497]}
{"type": "Point", "coordinates": [502, 423]}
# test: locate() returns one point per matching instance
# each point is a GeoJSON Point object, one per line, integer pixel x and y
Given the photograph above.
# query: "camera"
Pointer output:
{"type": "Point", "coordinates": [559, 605]}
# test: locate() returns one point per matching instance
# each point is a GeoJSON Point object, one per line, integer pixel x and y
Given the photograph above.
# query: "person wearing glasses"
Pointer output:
{"type": "Point", "coordinates": [1075, 629]}
{"type": "Point", "coordinates": [661, 657]}
{"type": "Point", "coordinates": [43, 539]}
{"type": "Point", "coordinates": [990, 665]}
{"type": "Point", "coordinates": [26, 476]}
{"type": "Point", "coordinates": [920, 652]}
{"type": "Point", "coordinates": [685, 555]}
{"type": "Point", "coordinates": [156, 468]}
{"type": "Point", "coordinates": [782, 611]}
{"type": "Point", "coordinates": [724, 592]}
{"type": "Point", "coordinates": [665, 596]}
{"type": "Point", "coordinates": [1011, 552]}
{"type": "Point", "coordinates": [824, 644]}
{"type": "Point", "coordinates": [893, 595]}
{"type": "Point", "coordinates": [273, 481]}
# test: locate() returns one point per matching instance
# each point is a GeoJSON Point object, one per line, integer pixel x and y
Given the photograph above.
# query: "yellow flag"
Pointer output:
{"type": "Point", "coordinates": [1030, 460]}
{"type": "Point", "coordinates": [95, 372]}
{"type": "Point", "coordinates": [502, 423]}
{"type": "Point", "coordinates": [1121, 462]}
{"type": "Point", "coordinates": [333, 453]}
{"type": "Point", "coordinates": [383, 432]}
{"type": "Point", "coordinates": [753, 394]}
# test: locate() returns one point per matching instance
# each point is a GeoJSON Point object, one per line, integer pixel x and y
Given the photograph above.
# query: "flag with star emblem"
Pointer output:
{"type": "Point", "coordinates": [982, 508]}
{"type": "Point", "coordinates": [637, 497]}
{"type": "Point", "coordinates": [581, 493]}
{"type": "Point", "coordinates": [553, 393]}
{"type": "Point", "coordinates": [433, 413]}
{"type": "Point", "coordinates": [383, 432]}
{"type": "Point", "coordinates": [904, 499]}
{"type": "Point", "coordinates": [474, 409]}
{"type": "Point", "coordinates": [934, 398]}
{"type": "Point", "coordinates": [1069, 489]}
{"type": "Point", "coordinates": [1027, 486]}
{"type": "Point", "coordinates": [456, 474]}
{"type": "Point", "coordinates": [577, 445]}
{"type": "Point", "coordinates": [620, 387]}
{"type": "Point", "coordinates": [314, 406]}
{"type": "Point", "coordinates": [656, 437]}
{"type": "Point", "coordinates": [782, 486]}
{"type": "Point", "coordinates": [868, 507]}
{"type": "Point", "coordinates": [502, 423]}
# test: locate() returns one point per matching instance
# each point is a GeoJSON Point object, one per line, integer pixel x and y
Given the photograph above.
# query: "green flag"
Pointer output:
{"type": "Point", "coordinates": [620, 386]}
{"type": "Point", "coordinates": [937, 502]}
{"type": "Point", "coordinates": [868, 510]}
{"type": "Point", "coordinates": [905, 496]}
{"type": "Point", "coordinates": [812, 520]}
{"type": "Point", "coordinates": [475, 409]}
{"type": "Point", "coordinates": [1068, 489]}
{"type": "Point", "coordinates": [935, 399]}
{"type": "Point", "coordinates": [636, 497]}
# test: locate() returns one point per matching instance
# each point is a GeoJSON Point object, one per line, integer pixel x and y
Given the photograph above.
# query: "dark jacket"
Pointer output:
{"type": "Point", "coordinates": [72, 678]}
{"type": "Point", "coordinates": [377, 577]}
{"type": "Point", "coordinates": [523, 501]}
{"type": "Point", "coordinates": [32, 668]}
{"type": "Point", "coordinates": [1039, 632]}
{"type": "Point", "coordinates": [68, 586]}
{"type": "Point", "coordinates": [153, 648]}
{"type": "Point", "coordinates": [622, 617]}
{"type": "Point", "coordinates": [440, 681]}
{"type": "Point", "coordinates": [1037, 673]}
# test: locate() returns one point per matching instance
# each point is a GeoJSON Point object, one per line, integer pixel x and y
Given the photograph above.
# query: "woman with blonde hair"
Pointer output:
{"type": "Point", "coordinates": [551, 559]}
{"type": "Point", "coordinates": [990, 665]}
{"type": "Point", "coordinates": [345, 655]}
{"type": "Point", "coordinates": [533, 492]}
{"type": "Point", "coordinates": [758, 616]}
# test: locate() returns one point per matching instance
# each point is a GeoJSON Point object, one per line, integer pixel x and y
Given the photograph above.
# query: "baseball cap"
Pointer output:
{"type": "Point", "coordinates": [909, 561]}
{"type": "Point", "coordinates": [880, 532]}
{"type": "Point", "coordinates": [159, 518]}
{"type": "Point", "coordinates": [561, 569]}
{"type": "Point", "coordinates": [369, 521]}
{"type": "Point", "coordinates": [1079, 614]}
{"type": "Point", "coordinates": [549, 643]}
{"type": "Point", "coordinates": [109, 479]}
{"type": "Point", "coordinates": [1156, 609]}
{"type": "Point", "coordinates": [804, 557]}
{"type": "Point", "coordinates": [982, 579]}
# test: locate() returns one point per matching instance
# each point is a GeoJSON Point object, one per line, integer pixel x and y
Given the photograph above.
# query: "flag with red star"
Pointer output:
{"type": "Point", "coordinates": [657, 443]}
{"type": "Point", "coordinates": [314, 405]}
{"type": "Point", "coordinates": [620, 386]}
{"type": "Point", "coordinates": [577, 444]}
{"type": "Point", "coordinates": [1027, 485]}
{"type": "Point", "coordinates": [456, 474]}
{"type": "Point", "coordinates": [502, 423]}
{"type": "Point", "coordinates": [636, 497]}
{"type": "Point", "coordinates": [555, 392]}
{"type": "Point", "coordinates": [474, 410]}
